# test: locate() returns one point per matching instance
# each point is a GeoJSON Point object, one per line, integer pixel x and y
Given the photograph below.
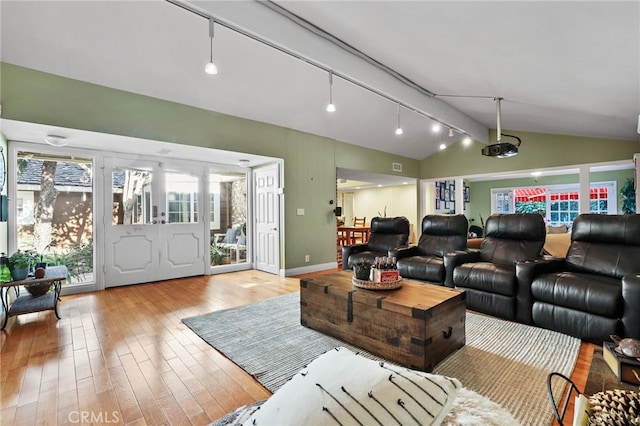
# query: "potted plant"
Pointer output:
{"type": "Point", "coordinates": [361, 269]}
{"type": "Point", "coordinates": [628, 194]}
{"type": "Point", "coordinates": [19, 264]}
{"type": "Point", "coordinates": [217, 253]}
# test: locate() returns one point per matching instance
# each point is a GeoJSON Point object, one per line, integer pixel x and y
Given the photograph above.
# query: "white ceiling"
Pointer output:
{"type": "Point", "coordinates": [562, 67]}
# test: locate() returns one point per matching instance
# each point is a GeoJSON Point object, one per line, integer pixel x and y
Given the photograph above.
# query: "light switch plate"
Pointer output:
{"type": "Point", "coordinates": [300, 212]}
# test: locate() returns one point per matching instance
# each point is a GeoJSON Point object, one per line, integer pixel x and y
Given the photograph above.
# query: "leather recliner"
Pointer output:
{"type": "Point", "coordinates": [387, 233]}
{"type": "Point", "coordinates": [595, 290]}
{"type": "Point", "coordinates": [441, 234]}
{"type": "Point", "coordinates": [489, 274]}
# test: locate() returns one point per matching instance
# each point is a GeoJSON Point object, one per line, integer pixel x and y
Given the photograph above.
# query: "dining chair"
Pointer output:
{"type": "Point", "coordinates": [358, 236]}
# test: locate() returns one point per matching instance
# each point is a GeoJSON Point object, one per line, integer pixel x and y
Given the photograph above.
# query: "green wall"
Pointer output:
{"type": "Point", "coordinates": [538, 150]}
{"type": "Point", "coordinates": [480, 192]}
{"type": "Point", "coordinates": [310, 161]}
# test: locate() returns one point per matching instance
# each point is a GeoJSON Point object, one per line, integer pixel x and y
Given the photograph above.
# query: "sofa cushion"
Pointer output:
{"type": "Point", "coordinates": [341, 387]}
{"type": "Point", "coordinates": [595, 294]}
{"type": "Point", "coordinates": [425, 268]}
{"type": "Point", "coordinates": [583, 325]}
{"type": "Point", "coordinates": [485, 276]}
{"type": "Point", "coordinates": [510, 238]}
{"type": "Point", "coordinates": [605, 244]}
{"type": "Point", "coordinates": [442, 234]}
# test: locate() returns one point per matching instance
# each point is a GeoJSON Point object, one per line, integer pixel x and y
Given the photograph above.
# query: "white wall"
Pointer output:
{"type": "Point", "coordinates": [399, 200]}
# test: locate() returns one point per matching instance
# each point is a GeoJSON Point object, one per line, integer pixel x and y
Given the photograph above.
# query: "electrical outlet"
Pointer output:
{"type": "Point", "coordinates": [306, 258]}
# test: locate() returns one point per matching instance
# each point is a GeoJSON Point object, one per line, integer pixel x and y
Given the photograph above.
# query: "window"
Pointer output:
{"type": "Point", "coordinates": [559, 204]}
{"type": "Point", "coordinates": [501, 202]}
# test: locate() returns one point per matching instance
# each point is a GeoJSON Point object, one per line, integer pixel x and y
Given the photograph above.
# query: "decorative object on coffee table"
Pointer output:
{"type": "Point", "coordinates": [361, 269]}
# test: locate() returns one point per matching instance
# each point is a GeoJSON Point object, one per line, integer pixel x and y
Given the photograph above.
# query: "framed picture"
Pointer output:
{"type": "Point", "coordinates": [446, 205]}
{"type": "Point", "coordinates": [447, 194]}
{"type": "Point", "coordinates": [466, 194]}
{"type": "Point", "coordinates": [452, 193]}
{"type": "Point", "coordinates": [437, 204]}
{"type": "Point", "coordinates": [442, 189]}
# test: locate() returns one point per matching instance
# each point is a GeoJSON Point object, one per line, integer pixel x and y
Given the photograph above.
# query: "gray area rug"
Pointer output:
{"type": "Point", "coordinates": [504, 361]}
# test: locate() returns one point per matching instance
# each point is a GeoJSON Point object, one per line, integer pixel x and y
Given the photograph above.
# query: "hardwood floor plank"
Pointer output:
{"type": "Point", "coordinates": [124, 354]}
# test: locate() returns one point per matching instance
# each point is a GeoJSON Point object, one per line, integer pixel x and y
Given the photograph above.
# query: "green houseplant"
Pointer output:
{"type": "Point", "coordinates": [19, 264]}
{"type": "Point", "coordinates": [216, 253]}
{"type": "Point", "coordinates": [628, 194]}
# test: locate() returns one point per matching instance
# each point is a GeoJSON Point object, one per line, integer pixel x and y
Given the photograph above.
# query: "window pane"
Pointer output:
{"type": "Point", "coordinates": [182, 191]}
{"type": "Point", "coordinates": [604, 206]}
{"type": "Point", "coordinates": [555, 206]}
{"type": "Point", "coordinates": [573, 205]}
{"type": "Point", "coordinates": [131, 196]}
{"type": "Point", "coordinates": [554, 217]}
{"type": "Point", "coordinates": [55, 211]}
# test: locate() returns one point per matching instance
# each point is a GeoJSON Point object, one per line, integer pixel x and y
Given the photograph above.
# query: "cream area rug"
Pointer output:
{"type": "Point", "coordinates": [504, 361]}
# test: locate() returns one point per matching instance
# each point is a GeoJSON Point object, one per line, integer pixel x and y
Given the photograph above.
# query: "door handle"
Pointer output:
{"type": "Point", "coordinates": [163, 221]}
{"type": "Point", "coordinates": [273, 229]}
{"type": "Point", "coordinates": [154, 221]}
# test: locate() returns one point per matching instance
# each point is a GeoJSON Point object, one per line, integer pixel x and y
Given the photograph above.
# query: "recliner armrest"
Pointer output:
{"type": "Point", "coordinates": [455, 258]}
{"type": "Point", "coordinates": [349, 250]}
{"type": "Point", "coordinates": [400, 252]}
{"type": "Point", "coordinates": [526, 271]}
{"type": "Point", "coordinates": [631, 302]}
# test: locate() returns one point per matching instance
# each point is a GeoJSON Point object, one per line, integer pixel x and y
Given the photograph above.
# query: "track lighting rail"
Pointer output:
{"type": "Point", "coordinates": [278, 9]}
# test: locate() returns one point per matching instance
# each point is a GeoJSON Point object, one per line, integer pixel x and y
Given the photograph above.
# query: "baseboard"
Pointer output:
{"type": "Point", "coordinates": [309, 269]}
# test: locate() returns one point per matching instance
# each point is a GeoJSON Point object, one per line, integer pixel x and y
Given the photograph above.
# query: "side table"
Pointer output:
{"type": "Point", "coordinates": [27, 304]}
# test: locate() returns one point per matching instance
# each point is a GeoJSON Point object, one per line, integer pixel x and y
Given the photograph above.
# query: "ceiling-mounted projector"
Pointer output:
{"type": "Point", "coordinates": [501, 149]}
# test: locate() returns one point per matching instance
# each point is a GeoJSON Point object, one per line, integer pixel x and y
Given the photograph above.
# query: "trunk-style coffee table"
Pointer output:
{"type": "Point", "coordinates": [416, 326]}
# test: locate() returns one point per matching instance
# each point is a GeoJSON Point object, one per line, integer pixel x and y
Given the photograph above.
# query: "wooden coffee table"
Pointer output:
{"type": "Point", "coordinates": [416, 326]}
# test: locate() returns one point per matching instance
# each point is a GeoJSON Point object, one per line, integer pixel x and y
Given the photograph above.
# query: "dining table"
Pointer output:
{"type": "Point", "coordinates": [351, 234]}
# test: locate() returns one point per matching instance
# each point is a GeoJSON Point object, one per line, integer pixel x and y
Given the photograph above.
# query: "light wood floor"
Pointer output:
{"type": "Point", "coordinates": [123, 356]}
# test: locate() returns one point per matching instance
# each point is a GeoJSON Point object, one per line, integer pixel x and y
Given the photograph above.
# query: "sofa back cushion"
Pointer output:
{"type": "Point", "coordinates": [605, 244]}
{"type": "Point", "coordinates": [388, 233]}
{"type": "Point", "coordinates": [510, 238]}
{"type": "Point", "coordinates": [442, 234]}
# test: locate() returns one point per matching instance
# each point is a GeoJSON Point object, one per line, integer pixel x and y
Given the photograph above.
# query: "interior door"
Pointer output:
{"type": "Point", "coordinates": [267, 184]}
{"type": "Point", "coordinates": [155, 231]}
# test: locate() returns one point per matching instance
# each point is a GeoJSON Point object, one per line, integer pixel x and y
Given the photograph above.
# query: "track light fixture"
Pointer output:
{"type": "Point", "coordinates": [399, 129]}
{"type": "Point", "coordinates": [450, 132]}
{"type": "Point", "coordinates": [211, 68]}
{"type": "Point", "coordinates": [436, 127]}
{"type": "Point", "coordinates": [331, 107]}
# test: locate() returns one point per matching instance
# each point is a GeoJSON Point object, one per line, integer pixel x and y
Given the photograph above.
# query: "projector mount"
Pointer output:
{"type": "Point", "coordinates": [501, 149]}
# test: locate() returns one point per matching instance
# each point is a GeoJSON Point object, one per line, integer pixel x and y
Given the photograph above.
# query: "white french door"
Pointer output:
{"type": "Point", "coordinates": [267, 184]}
{"type": "Point", "coordinates": [156, 230]}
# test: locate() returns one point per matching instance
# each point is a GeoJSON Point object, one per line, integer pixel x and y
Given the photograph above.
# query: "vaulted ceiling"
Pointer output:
{"type": "Point", "coordinates": [562, 67]}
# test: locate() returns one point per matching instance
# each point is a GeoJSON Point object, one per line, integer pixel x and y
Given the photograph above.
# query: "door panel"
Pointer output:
{"type": "Point", "coordinates": [267, 219]}
{"type": "Point", "coordinates": [142, 242]}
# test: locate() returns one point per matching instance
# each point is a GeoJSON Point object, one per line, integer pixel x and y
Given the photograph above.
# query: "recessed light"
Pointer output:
{"type": "Point", "coordinates": [436, 127]}
{"type": "Point", "coordinates": [466, 141]}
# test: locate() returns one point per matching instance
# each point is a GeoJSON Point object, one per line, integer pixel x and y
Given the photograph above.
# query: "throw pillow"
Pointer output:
{"type": "Point", "coordinates": [231, 236]}
{"type": "Point", "coordinates": [562, 229]}
{"type": "Point", "coordinates": [341, 387]}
